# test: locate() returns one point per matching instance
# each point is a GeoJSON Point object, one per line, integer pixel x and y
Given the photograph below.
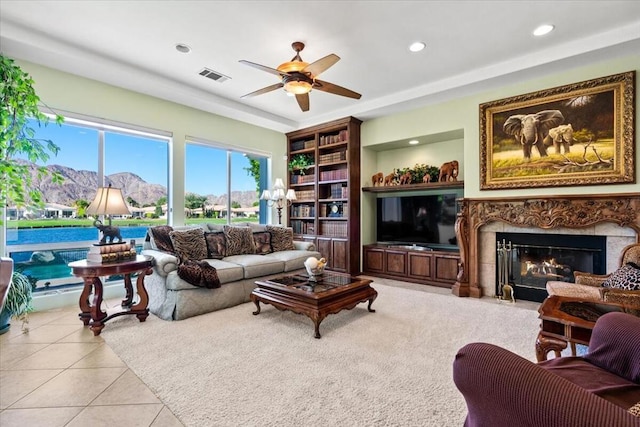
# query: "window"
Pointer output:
{"type": "Point", "coordinates": [221, 184]}
{"type": "Point", "coordinates": [42, 241]}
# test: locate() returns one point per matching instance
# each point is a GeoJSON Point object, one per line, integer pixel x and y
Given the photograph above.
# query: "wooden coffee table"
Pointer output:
{"type": "Point", "coordinates": [567, 320]}
{"type": "Point", "coordinates": [333, 292]}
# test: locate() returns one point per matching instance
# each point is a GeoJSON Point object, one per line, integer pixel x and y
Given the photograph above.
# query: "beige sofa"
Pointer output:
{"type": "Point", "coordinates": [172, 298]}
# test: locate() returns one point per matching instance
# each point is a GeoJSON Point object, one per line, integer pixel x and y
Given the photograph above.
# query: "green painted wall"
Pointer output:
{"type": "Point", "coordinates": [67, 92]}
{"type": "Point", "coordinates": [463, 114]}
{"type": "Point", "coordinates": [70, 93]}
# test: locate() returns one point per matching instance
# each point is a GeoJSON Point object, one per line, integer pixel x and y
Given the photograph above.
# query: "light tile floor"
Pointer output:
{"type": "Point", "coordinates": [59, 374]}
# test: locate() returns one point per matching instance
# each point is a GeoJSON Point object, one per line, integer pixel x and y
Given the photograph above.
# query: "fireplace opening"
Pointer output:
{"type": "Point", "coordinates": [530, 260]}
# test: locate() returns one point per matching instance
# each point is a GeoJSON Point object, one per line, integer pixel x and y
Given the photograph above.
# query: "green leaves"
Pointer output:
{"type": "Point", "coordinates": [301, 162]}
{"type": "Point", "coordinates": [19, 111]}
{"type": "Point", "coordinates": [419, 171]}
{"type": "Point", "coordinates": [19, 299]}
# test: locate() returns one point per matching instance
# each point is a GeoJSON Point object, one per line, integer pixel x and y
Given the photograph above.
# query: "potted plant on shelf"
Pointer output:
{"type": "Point", "coordinates": [301, 162]}
{"type": "Point", "coordinates": [18, 303]}
{"type": "Point", "coordinates": [19, 114]}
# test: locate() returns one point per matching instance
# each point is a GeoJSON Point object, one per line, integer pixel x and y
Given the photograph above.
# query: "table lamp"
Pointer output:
{"type": "Point", "coordinates": [108, 201]}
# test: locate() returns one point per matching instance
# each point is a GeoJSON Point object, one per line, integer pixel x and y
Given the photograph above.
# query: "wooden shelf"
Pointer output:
{"type": "Point", "coordinates": [336, 238]}
{"type": "Point", "coordinates": [414, 187]}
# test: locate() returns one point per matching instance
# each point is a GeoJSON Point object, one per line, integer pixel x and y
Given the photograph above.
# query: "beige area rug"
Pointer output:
{"type": "Point", "coordinates": [388, 368]}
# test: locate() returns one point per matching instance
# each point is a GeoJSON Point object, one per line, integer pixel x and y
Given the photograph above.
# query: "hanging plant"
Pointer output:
{"type": "Point", "coordinates": [301, 162]}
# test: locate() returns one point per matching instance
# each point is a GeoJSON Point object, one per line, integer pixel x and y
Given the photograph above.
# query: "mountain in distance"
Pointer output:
{"type": "Point", "coordinates": [82, 184]}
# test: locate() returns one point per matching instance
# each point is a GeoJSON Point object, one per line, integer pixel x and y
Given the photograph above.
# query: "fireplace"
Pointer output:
{"type": "Point", "coordinates": [533, 259]}
{"type": "Point", "coordinates": [615, 215]}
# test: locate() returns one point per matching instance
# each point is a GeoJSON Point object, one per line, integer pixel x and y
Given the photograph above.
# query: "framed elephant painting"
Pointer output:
{"type": "Point", "coordinates": [578, 134]}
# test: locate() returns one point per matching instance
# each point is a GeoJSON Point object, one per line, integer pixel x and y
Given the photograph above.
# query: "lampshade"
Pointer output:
{"type": "Point", "coordinates": [266, 195]}
{"type": "Point", "coordinates": [292, 66]}
{"type": "Point", "coordinates": [278, 185]}
{"type": "Point", "coordinates": [291, 194]}
{"type": "Point", "coordinates": [108, 201]}
{"type": "Point", "coordinates": [297, 87]}
{"type": "Point", "coordinates": [277, 194]}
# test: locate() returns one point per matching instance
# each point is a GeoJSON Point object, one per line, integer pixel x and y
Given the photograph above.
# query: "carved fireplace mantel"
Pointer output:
{"type": "Point", "coordinates": [535, 212]}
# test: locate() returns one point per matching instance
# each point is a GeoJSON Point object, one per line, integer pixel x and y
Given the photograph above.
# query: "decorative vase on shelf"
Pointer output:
{"type": "Point", "coordinates": [315, 267]}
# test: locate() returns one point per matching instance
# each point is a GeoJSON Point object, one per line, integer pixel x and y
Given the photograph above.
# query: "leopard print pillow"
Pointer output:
{"type": "Point", "coordinates": [239, 240]}
{"type": "Point", "coordinates": [635, 410]}
{"type": "Point", "coordinates": [626, 277]}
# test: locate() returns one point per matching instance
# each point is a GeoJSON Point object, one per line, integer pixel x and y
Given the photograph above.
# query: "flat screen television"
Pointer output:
{"type": "Point", "coordinates": [424, 220]}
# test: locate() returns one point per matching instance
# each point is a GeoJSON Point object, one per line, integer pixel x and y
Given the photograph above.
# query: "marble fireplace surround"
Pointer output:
{"type": "Point", "coordinates": [617, 216]}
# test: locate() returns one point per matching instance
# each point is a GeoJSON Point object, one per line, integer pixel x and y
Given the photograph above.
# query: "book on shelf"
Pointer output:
{"type": "Point", "coordinates": [333, 229]}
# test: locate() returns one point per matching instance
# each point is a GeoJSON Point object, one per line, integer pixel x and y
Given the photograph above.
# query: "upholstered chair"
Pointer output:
{"type": "Point", "coordinates": [588, 287]}
{"type": "Point", "coordinates": [6, 270]}
{"type": "Point", "coordinates": [601, 388]}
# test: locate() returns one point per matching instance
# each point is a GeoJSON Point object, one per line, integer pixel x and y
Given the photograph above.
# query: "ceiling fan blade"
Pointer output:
{"type": "Point", "coordinates": [335, 89]}
{"type": "Point", "coordinates": [321, 65]}
{"type": "Point", "coordinates": [263, 90]}
{"type": "Point", "coordinates": [263, 68]}
{"type": "Point", "coordinates": [303, 101]}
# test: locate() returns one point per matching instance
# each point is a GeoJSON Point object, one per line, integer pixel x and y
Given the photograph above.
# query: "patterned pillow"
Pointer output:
{"type": "Point", "coordinates": [216, 245]}
{"type": "Point", "coordinates": [635, 410]}
{"type": "Point", "coordinates": [626, 277]}
{"type": "Point", "coordinates": [281, 238]}
{"type": "Point", "coordinates": [239, 240]}
{"type": "Point", "coordinates": [160, 238]}
{"type": "Point", "coordinates": [263, 242]}
{"type": "Point", "coordinates": [189, 244]}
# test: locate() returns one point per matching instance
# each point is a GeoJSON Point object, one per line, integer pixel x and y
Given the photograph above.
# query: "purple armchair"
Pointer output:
{"type": "Point", "coordinates": [504, 389]}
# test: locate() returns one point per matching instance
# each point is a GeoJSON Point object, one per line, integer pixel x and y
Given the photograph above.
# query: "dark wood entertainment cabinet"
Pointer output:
{"type": "Point", "coordinates": [400, 262]}
{"type": "Point", "coordinates": [404, 262]}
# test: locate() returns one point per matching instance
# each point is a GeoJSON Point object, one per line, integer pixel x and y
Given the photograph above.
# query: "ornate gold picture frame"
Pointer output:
{"type": "Point", "coordinates": [578, 134]}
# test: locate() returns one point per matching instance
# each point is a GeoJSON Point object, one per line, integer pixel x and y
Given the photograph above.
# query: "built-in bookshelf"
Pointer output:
{"type": "Point", "coordinates": [327, 208]}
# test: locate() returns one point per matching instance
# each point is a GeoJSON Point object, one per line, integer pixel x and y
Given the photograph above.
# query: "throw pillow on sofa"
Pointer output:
{"type": "Point", "coordinates": [189, 244]}
{"type": "Point", "coordinates": [262, 242]}
{"type": "Point", "coordinates": [626, 277]}
{"type": "Point", "coordinates": [281, 238]}
{"type": "Point", "coordinates": [216, 245]}
{"type": "Point", "coordinates": [160, 238]}
{"type": "Point", "coordinates": [239, 240]}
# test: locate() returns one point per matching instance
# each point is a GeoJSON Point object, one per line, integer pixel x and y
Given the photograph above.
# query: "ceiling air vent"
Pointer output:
{"type": "Point", "coordinates": [213, 75]}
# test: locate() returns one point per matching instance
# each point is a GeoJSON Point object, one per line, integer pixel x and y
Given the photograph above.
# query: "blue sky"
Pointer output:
{"type": "Point", "coordinates": [205, 169]}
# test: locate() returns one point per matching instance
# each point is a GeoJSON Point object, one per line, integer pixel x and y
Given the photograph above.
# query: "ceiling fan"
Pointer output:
{"type": "Point", "coordinates": [299, 77]}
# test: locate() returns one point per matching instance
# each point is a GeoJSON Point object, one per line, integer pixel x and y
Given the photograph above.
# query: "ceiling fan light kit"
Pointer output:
{"type": "Point", "coordinates": [299, 78]}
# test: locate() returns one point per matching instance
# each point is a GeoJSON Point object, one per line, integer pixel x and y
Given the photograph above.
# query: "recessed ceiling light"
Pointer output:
{"type": "Point", "coordinates": [543, 29]}
{"type": "Point", "coordinates": [414, 142]}
{"type": "Point", "coordinates": [183, 48]}
{"type": "Point", "coordinates": [417, 46]}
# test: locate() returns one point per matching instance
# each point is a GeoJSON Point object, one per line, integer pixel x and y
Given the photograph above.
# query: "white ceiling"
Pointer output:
{"type": "Point", "coordinates": [471, 46]}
